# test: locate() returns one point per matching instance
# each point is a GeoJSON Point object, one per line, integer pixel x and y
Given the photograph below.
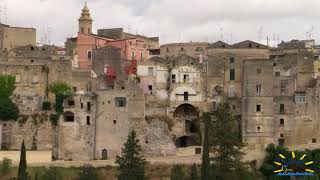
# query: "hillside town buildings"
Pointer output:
{"type": "Point", "coordinates": [121, 81]}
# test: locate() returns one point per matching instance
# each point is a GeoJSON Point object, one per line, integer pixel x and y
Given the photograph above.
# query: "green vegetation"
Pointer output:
{"type": "Point", "coordinates": [221, 137]}
{"type": "Point", "coordinates": [54, 118]}
{"type": "Point", "coordinates": [131, 163]}
{"type": "Point", "coordinates": [46, 105]}
{"type": "Point", "coordinates": [22, 171]}
{"type": "Point", "coordinates": [61, 91]}
{"type": "Point", "coordinates": [5, 166]}
{"type": "Point", "coordinates": [8, 110]}
{"type": "Point", "coordinates": [177, 173]}
{"type": "Point", "coordinates": [194, 172]}
{"type": "Point", "coordinates": [7, 85]}
{"type": "Point", "coordinates": [88, 173]}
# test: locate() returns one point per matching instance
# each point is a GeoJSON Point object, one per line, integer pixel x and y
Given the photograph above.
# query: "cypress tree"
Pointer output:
{"type": "Point", "coordinates": [205, 166]}
{"type": "Point", "coordinates": [131, 163]}
{"type": "Point", "coordinates": [22, 171]}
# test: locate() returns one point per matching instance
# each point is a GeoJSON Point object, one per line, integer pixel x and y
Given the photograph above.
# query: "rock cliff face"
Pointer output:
{"type": "Point", "coordinates": [158, 139]}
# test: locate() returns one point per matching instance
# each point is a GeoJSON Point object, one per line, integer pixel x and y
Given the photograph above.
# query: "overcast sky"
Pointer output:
{"type": "Point", "coordinates": [172, 20]}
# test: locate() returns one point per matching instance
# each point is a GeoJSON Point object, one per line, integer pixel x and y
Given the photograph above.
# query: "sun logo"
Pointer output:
{"type": "Point", "coordinates": [293, 166]}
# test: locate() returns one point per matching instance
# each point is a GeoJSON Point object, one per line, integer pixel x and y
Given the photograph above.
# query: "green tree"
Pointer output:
{"type": "Point", "coordinates": [224, 142]}
{"type": "Point", "coordinates": [7, 85]}
{"type": "Point", "coordinates": [8, 110]}
{"type": "Point", "coordinates": [177, 173]}
{"type": "Point", "coordinates": [194, 172]}
{"type": "Point", "coordinates": [88, 173]}
{"type": "Point", "coordinates": [22, 171]}
{"type": "Point", "coordinates": [131, 163]}
{"type": "Point", "coordinates": [61, 91]}
{"type": "Point", "coordinates": [205, 166]}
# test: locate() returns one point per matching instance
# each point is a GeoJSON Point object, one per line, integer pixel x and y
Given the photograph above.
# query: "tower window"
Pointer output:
{"type": "Point", "coordinates": [232, 75]}
{"type": "Point", "coordinates": [281, 108]}
{"type": "Point", "coordinates": [185, 96]}
{"type": "Point", "coordinates": [89, 55]}
{"type": "Point", "coordinates": [88, 120]}
{"type": "Point", "coordinates": [258, 108]}
{"type": "Point", "coordinates": [88, 106]}
{"type": "Point", "coordinates": [281, 122]}
{"type": "Point", "coordinates": [258, 89]}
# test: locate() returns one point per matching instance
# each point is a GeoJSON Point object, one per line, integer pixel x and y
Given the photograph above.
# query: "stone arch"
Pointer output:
{"type": "Point", "coordinates": [185, 141]}
{"type": "Point", "coordinates": [68, 116]}
{"type": "Point", "coordinates": [186, 109]}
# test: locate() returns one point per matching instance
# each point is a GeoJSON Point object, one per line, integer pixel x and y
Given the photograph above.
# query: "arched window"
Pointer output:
{"type": "Point", "coordinates": [68, 116]}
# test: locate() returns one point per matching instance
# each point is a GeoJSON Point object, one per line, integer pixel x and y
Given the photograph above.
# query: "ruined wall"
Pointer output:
{"type": "Point", "coordinates": [37, 132]}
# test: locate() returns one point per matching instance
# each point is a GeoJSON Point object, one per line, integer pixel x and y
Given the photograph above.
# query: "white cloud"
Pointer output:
{"type": "Point", "coordinates": [172, 20]}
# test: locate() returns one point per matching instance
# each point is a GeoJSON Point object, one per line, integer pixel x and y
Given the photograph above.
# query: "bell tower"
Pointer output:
{"type": "Point", "coordinates": [85, 21]}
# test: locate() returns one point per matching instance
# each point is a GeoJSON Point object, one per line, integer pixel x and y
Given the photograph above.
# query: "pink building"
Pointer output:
{"type": "Point", "coordinates": [82, 46]}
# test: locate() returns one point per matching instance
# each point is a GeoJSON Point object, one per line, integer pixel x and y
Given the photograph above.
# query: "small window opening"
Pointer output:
{"type": "Point", "coordinates": [314, 140]}
{"type": "Point", "coordinates": [114, 121]}
{"type": "Point", "coordinates": [173, 78]}
{"type": "Point", "coordinates": [258, 108]}
{"type": "Point", "coordinates": [81, 105]}
{"type": "Point", "coordinates": [258, 128]}
{"type": "Point", "coordinates": [232, 75]}
{"type": "Point", "coordinates": [185, 96]}
{"type": "Point", "coordinates": [88, 106]}
{"type": "Point", "coordinates": [282, 109]}
{"type": "Point", "coordinates": [281, 122]}
{"type": "Point", "coordinates": [232, 60]}
{"type": "Point", "coordinates": [71, 103]}
{"type": "Point", "coordinates": [88, 120]}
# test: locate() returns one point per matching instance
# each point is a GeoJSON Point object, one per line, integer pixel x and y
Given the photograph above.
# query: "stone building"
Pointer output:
{"type": "Point", "coordinates": [12, 37]}
{"type": "Point", "coordinates": [133, 47]}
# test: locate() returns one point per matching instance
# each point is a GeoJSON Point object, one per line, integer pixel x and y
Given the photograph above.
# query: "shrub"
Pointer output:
{"type": "Point", "coordinates": [46, 105]}
{"type": "Point", "coordinates": [88, 173]}
{"type": "Point", "coordinates": [5, 166]}
{"type": "Point", "coordinates": [54, 118]}
{"type": "Point", "coordinates": [8, 110]}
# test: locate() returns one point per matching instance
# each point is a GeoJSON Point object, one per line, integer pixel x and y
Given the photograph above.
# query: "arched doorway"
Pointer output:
{"type": "Point", "coordinates": [104, 155]}
{"type": "Point", "coordinates": [68, 116]}
{"type": "Point", "coordinates": [186, 141]}
{"type": "Point", "coordinates": [186, 110]}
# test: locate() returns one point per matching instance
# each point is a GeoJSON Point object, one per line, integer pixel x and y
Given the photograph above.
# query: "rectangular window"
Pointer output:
{"type": "Point", "coordinates": [281, 122]}
{"type": "Point", "coordinates": [258, 108]}
{"type": "Point", "coordinates": [314, 140]}
{"type": "Point", "coordinates": [74, 89]}
{"type": "Point", "coordinates": [232, 60]}
{"type": "Point", "coordinates": [141, 56]}
{"type": "Point", "coordinates": [185, 78]}
{"type": "Point", "coordinates": [258, 89]}
{"type": "Point", "coordinates": [173, 78]}
{"type": "Point", "coordinates": [81, 105]}
{"type": "Point", "coordinates": [300, 97]}
{"type": "Point", "coordinates": [88, 120]}
{"type": "Point", "coordinates": [150, 89]}
{"type": "Point", "coordinates": [120, 101]}
{"type": "Point", "coordinates": [277, 73]}
{"type": "Point", "coordinates": [186, 96]}
{"type": "Point", "coordinates": [281, 142]}
{"type": "Point", "coordinates": [232, 75]}
{"type": "Point", "coordinates": [88, 106]}
{"type": "Point", "coordinates": [150, 71]}
{"type": "Point", "coordinates": [283, 88]}
{"type": "Point", "coordinates": [89, 55]}
{"type": "Point", "coordinates": [282, 109]}
{"type": "Point", "coordinates": [71, 103]}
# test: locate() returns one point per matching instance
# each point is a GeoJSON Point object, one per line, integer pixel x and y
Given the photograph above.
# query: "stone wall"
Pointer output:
{"type": "Point", "coordinates": [35, 130]}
